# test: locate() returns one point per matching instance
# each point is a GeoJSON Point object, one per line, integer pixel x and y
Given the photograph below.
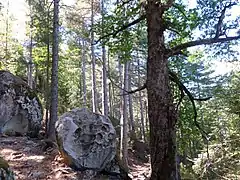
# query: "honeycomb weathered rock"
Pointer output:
{"type": "Point", "coordinates": [86, 140]}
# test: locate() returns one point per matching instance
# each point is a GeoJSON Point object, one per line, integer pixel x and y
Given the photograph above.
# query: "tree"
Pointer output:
{"type": "Point", "coordinates": [124, 119]}
{"type": "Point", "coordinates": [104, 71]}
{"type": "Point", "coordinates": [171, 28]}
{"type": "Point", "coordinates": [54, 83]}
{"type": "Point", "coordinates": [162, 114]}
{"type": "Point", "coordinates": [94, 89]}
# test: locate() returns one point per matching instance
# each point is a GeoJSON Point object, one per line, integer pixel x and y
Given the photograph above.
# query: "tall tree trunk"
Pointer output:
{"type": "Point", "coordinates": [54, 83]}
{"type": "Point", "coordinates": [162, 115]}
{"type": "Point", "coordinates": [84, 73]}
{"type": "Point", "coordinates": [30, 62]}
{"type": "Point", "coordinates": [130, 102]}
{"type": "Point", "coordinates": [6, 33]}
{"type": "Point", "coordinates": [141, 105]}
{"type": "Point", "coordinates": [47, 97]}
{"type": "Point", "coordinates": [146, 116]}
{"type": "Point", "coordinates": [124, 120]}
{"type": "Point", "coordinates": [104, 72]}
{"type": "Point", "coordinates": [94, 89]}
{"type": "Point", "coordinates": [110, 89]}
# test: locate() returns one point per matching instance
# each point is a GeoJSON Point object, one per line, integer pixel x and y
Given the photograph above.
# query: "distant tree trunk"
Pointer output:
{"type": "Point", "coordinates": [131, 121]}
{"type": "Point", "coordinates": [54, 83]}
{"type": "Point", "coordinates": [146, 116]}
{"type": "Point", "coordinates": [30, 62]}
{"type": "Point", "coordinates": [161, 112]}
{"type": "Point", "coordinates": [94, 89]}
{"type": "Point", "coordinates": [104, 71]}
{"type": "Point", "coordinates": [110, 90]}
{"type": "Point", "coordinates": [141, 105]}
{"type": "Point", "coordinates": [6, 33]}
{"type": "Point", "coordinates": [84, 73]}
{"type": "Point", "coordinates": [47, 97]}
{"type": "Point", "coordinates": [124, 120]}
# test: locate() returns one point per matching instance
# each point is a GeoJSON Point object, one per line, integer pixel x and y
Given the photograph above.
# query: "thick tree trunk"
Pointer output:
{"type": "Point", "coordinates": [54, 83]}
{"type": "Point", "coordinates": [162, 115]}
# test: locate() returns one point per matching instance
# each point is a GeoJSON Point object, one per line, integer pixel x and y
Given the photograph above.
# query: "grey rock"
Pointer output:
{"type": "Point", "coordinates": [20, 109]}
{"type": "Point", "coordinates": [86, 140]}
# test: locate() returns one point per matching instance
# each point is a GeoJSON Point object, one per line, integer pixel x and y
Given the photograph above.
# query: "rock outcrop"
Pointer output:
{"type": "Point", "coordinates": [20, 109]}
{"type": "Point", "coordinates": [87, 141]}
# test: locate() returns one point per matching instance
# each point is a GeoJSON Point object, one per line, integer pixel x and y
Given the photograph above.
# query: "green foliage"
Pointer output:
{"type": "Point", "coordinates": [221, 162]}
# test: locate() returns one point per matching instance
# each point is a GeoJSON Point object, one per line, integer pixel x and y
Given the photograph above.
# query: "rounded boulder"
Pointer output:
{"type": "Point", "coordinates": [86, 140]}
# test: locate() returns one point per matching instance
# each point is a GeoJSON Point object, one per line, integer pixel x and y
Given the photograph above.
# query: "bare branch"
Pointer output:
{"type": "Point", "coordinates": [203, 99]}
{"type": "Point", "coordinates": [135, 90]}
{"type": "Point", "coordinates": [173, 77]}
{"type": "Point", "coordinates": [220, 20]}
{"type": "Point", "coordinates": [113, 34]}
{"type": "Point", "coordinates": [180, 100]}
{"type": "Point", "coordinates": [177, 49]}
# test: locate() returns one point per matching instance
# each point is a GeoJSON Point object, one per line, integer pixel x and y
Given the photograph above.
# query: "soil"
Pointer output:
{"type": "Point", "coordinates": [31, 160]}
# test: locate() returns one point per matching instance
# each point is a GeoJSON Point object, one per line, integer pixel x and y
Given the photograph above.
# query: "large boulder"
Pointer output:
{"type": "Point", "coordinates": [20, 109]}
{"type": "Point", "coordinates": [87, 141]}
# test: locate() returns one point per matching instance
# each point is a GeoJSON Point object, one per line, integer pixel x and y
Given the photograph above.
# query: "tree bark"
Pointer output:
{"type": "Point", "coordinates": [162, 115]}
{"type": "Point", "coordinates": [54, 83]}
{"type": "Point", "coordinates": [47, 98]}
{"type": "Point", "coordinates": [94, 89]}
{"type": "Point", "coordinates": [104, 72]}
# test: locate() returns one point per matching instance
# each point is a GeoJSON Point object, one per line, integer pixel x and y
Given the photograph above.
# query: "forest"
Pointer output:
{"type": "Point", "coordinates": [164, 73]}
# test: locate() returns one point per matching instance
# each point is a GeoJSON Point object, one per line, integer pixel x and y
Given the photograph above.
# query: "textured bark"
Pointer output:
{"type": "Point", "coordinates": [94, 89]}
{"type": "Point", "coordinates": [54, 83]}
{"type": "Point", "coordinates": [162, 115]}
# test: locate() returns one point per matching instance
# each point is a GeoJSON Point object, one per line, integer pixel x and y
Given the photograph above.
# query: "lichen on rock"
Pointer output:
{"type": "Point", "coordinates": [20, 109]}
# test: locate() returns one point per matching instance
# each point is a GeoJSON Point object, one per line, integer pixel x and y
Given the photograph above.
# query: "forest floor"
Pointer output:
{"type": "Point", "coordinates": [30, 161]}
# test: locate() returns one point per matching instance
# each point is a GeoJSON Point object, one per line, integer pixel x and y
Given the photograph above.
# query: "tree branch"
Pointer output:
{"type": "Point", "coordinates": [173, 77]}
{"type": "Point", "coordinates": [220, 20]}
{"type": "Point", "coordinates": [113, 34]}
{"type": "Point", "coordinates": [177, 49]}
{"type": "Point", "coordinates": [135, 90]}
